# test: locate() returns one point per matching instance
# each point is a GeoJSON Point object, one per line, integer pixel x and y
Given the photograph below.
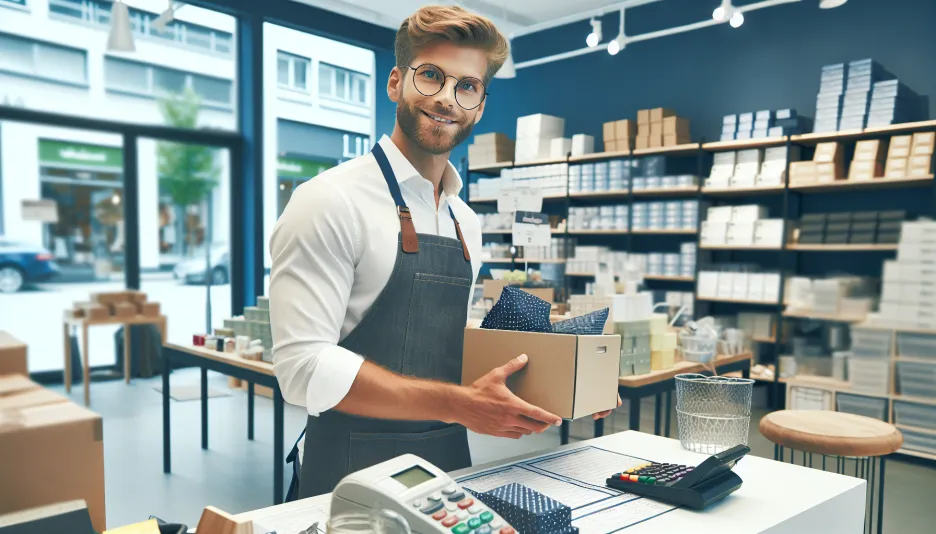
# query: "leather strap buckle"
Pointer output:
{"type": "Point", "coordinates": [410, 242]}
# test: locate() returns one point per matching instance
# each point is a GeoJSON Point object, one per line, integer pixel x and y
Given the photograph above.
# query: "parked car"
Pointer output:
{"type": "Point", "coordinates": [22, 263]}
{"type": "Point", "coordinates": [192, 269]}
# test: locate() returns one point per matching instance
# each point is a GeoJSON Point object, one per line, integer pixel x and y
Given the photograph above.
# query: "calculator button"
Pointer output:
{"type": "Point", "coordinates": [440, 515]}
{"type": "Point", "coordinates": [436, 498]}
{"type": "Point", "coordinates": [449, 521]}
{"type": "Point", "coordinates": [451, 507]}
{"type": "Point", "coordinates": [474, 523]}
{"type": "Point", "coordinates": [417, 504]}
{"type": "Point", "coordinates": [634, 478]}
{"type": "Point", "coordinates": [455, 497]}
{"type": "Point", "coordinates": [431, 508]}
{"type": "Point", "coordinates": [461, 528]}
{"type": "Point", "coordinates": [449, 490]}
{"type": "Point", "coordinates": [651, 480]}
{"type": "Point", "coordinates": [496, 524]}
{"type": "Point", "coordinates": [463, 515]}
{"type": "Point", "coordinates": [508, 530]}
{"type": "Point", "coordinates": [467, 503]}
{"type": "Point", "coordinates": [483, 529]}
{"type": "Point", "coordinates": [474, 510]}
{"type": "Point", "coordinates": [487, 517]}
{"type": "Point", "coordinates": [641, 479]}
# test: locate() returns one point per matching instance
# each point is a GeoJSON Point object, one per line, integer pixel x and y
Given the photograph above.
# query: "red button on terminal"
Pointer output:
{"type": "Point", "coordinates": [440, 515]}
{"type": "Point", "coordinates": [467, 503]}
{"type": "Point", "coordinates": [449, 521]}
{"type": "Point", "coordinates": [508, 530]}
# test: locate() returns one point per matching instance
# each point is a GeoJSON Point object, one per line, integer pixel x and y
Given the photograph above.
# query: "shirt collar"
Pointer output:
{"type": "Point", "coordinates": [404, 170]}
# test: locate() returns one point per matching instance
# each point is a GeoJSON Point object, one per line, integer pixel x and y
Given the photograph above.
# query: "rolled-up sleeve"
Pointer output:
{"type": "Point", "coordinates": [313, 251]}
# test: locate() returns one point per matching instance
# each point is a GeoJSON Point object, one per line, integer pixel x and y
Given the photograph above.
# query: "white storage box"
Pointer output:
{"type": "Point", "coordinates": [768, 233]}
{"type": "Point", "coordinates": [869, 375]}
{"type": "Point", "coordinates": [582, 144]}
{"type": "Point", "coordinates": [740, 286]}
{"type": "Point", "coordinates": [540, 126]}
{"type": "Point", "coordinates": [708, 284]}
{"type": "Point", "coordinates": [872, 342]}
{"type": "Point", "coordinates": [726, 284]}
{"type": "Point", "coordinates": [718, 214]}
{"type": "Point", "coordinates": [740, 234]}
{"type": "Point", "coordinates": [560, 147]}
{"type": "Point", "coordinates": [748, 213]}
{"type": "Point", "coordinates": [912, 414]}
{"type": "Point", "coordinates": [771, 287]}
{"type": "Point", "coordinates": [866, 406]}
{"type": "Point", "coordinates": [916, 379]}
{"type": "Point", "coordinates": [910, 345]}
{"type": "Point", "coordinates": [755, 287]}
{"type": "Point", "coordinates": [810, 399]}
{"type": "Point", "coordinates": [714, 233]}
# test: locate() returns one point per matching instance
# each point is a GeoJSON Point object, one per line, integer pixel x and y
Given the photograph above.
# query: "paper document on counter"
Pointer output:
{"type": "Point", "coordinates": [577, 479]}
{"type": "Point", "coordinates": [296, 521]}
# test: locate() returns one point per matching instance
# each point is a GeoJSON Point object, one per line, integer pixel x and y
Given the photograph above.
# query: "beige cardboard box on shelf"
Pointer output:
{"type": "Point", "coordinates": [674, 139]}
{"type": "Point", "coordinates": [492, 289]}
{"type": "Point", "coordinates": [625, 129]}
{"type": "Point", "coordinates": [802, 172]}
{"type": "Point", "coordinates": [53, 453]}
{"type": "Point", "coordinates": [899, 146]}
{"type": "Point", "coordinates": [920, 165]}
{"type": "Point", "coordinates": [569, 376]}
{"type": "Point", "coordinates": [491, 148]}
{"type": "Point", "coordinates": [12, 355]}
{"type": "Point", "coordinates": [676, 126]}
{"type": "Point", "coordinates": [656, 128]}
{"type": "Point", "coordinates": [656, 141]}
{"type": "Point", "coordinates": [896, 168]}
{"type": "Point", "coordinates": [643, 117]}
{"type": "Point", "coordinates": [610, 146]}
{"type": "Point", "coordinates": [642, 142]}
{"type": "Point", "coordinates": [870, 150]}
{"type": "Point", "coordinates": [923, 143]}
{"type": "Point", "coordinates": [658, 114]}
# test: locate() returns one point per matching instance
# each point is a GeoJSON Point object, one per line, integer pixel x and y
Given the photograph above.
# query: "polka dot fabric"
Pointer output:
{"type": "Point", "coordinates": [591, 324]}
{"type": "Point", "coordinates": [520, 311]}
{"type": "Point", "coordinates": [529, 511]}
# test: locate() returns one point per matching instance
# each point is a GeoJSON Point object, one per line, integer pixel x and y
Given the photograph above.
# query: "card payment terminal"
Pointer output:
{"type": "Point", "coordinates": [429, 499]}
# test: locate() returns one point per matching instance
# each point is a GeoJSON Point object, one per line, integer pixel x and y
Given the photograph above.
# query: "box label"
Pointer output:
{"type": "Point", "coordinates": [531, 229]}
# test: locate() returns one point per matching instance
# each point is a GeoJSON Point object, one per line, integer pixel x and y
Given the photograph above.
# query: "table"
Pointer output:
{"type": "Point", "coordinates": [85, 323]}
{"type": "Point", "coordinates": [766, 502]}
{"type": "Point", "coordinates": [634, 388]}
{"type": "Point", "coordinates": [253, 372]}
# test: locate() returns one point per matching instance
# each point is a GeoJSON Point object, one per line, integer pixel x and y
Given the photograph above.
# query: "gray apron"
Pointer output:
{"type": "Point", "coordinates": [414, 328]}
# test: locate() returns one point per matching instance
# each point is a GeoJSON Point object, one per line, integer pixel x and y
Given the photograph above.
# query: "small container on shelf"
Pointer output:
{"type": "Point", "coordinates": [913, 345]}
{"type": "Point", "coordinates": [871, 342]}
{"type": "Point", "coordinates": [810, 399]}
{"type": "Point", "coordinates": [916, 379]}
{"type": "Point", "coordinates": [866, 406]}
{"type": "Point", "coordinates": [869, 375]}
{"type": "Point", "coordinates": [913, 414]}
{"type": "Point", "coordinates": [918, 441]}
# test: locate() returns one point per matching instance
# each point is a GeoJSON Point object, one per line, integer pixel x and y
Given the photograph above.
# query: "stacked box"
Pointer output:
{"type": "Point", "coordinates": [534, 136]}
{"type": "Point", "coordinates": [868, 162]}
{"type": "Point", "coordinates": [773, 168]}
{"type": "Point", "coordinates": [909, 289]}
{"type": "Point", "coordinates": [635, 346]}
{"type": "Point", "coordinates": [788, 122]}
{"type": "Point", "coordinates": [829, 100]}
{"type": "Point", "coordinates": [812, 228]}
{"type": "Point", "coordinates": [893, 102]}
{"type": "Point", "coordinates": [898, 156]}
{"type": "Point", "coordinates": [830, 162]}
{"type": "Point", "coordinates": [722, 170]}
{"type": "Point", "coordinates": [662, 344]}
{"type": "Point", "coordinates": [802, 172]}
{"type": "Point", "coordinates": [582, 144]}
{"type": "Point", "coordinates": [491, 148]}
{"type": "Point", "coordinates": [618, 136]}
{"type": "Point", "coordinates": [920, 162]}
{"type": "Point", "coordinates": [660, 127]}
{"type": "Point", "coordinates": [747, 168]}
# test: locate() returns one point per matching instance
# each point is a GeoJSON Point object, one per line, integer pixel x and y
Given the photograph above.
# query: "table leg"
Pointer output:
{"type": "Point", "coordinates": [126, 353]}
{"type": "Point", "coordinates": [634, 414]}
{"type": "Point", "coordinates": [746, 372]}
{"type": "Point", "coordinates": [880, 516]}
{"type": "Point", "coordinates": [278, 462]}
{"type": "Point", "coordinates": [68, 358]}
{"type": "Point", "coordinates": [250, 410]}
{"type": "Point", "coordinates": [669, 411]}
{"type": "Point", "coordinates": [86, 365]}
{"type": "Point", "coordinates": [599, 428]}
{"type": "Point", "coordinates": [167, 455]}
{"type": "Point", "coordinates": [564, 432]}
{"type": "Point", "coordinates": [657, 413]}
{"type": "Point", "coordinates": [204, 408]}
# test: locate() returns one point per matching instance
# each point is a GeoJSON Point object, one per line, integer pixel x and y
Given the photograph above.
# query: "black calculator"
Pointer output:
{"type": "Point", "coordinates": [694, 487]}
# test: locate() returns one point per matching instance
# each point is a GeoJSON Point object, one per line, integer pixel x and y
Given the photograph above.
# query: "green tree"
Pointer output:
{"type": "Point", "coordinates": [187, 173]}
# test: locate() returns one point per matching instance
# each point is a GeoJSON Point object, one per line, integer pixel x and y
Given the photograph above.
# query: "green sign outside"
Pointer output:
{"type": "Point", "coordinates": [301, 168]}
{"type": "Point", "coordinates": [77, 154]}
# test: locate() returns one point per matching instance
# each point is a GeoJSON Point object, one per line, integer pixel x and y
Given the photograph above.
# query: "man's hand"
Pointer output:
{"type": "Point", "coordinates": [602, 415]}
{"type": "Point", "coordinates": [488, 407]}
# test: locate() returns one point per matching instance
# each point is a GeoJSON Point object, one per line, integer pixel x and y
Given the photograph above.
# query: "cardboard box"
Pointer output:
{"type": "Point", "coordinates": [870, 150]}
{"type": "Point", "coordinates": [642, 142]}
{"type": "Point", "coordinates": [656, 128]}
{"type": "Point", "coordinates": [900, 146]}
{"type": "Point", "coordinates": [123, 309]}
{"type": "Point", "coordinates": [643, 130]}
{"type": "Point", "coordinates": [59, 456]}
{"type": "Point", "coordinates": [658, 114]}
{"type": "Point", "coordinates": [491, 139]}
{"type": "Point", "coordinates": [17, 392]}
{"type": "Point", "coordinates": [896, 168]}
{"type": "Point", "coordinates": [540, 126]}
{"type": "Point", "coordinates": [492, 289]}
{"type": "Point", "coordinates": [625, 129]}
{"type": "Point", "coordinates": [802, 171]}
{"type": "Point", "coordinates": [148, 309]}
{"type": "Point", "coordinates": [923, 143]}
{"type": "Point", "coordinates": [570, 376]}
{"type": "Point", "coordinates": [674, 140]}
{"type": "Point", "coordinates": [865, 170]}
{"type": "Point", "coordinates": [656, 141]}
{"type": "Point", "coordinates": [643, 116]}
{"type": "Point", "coordinates": [582, 144]}
{"type": "Point", "coordinates": [12, 355]}
{"type": "Point", "coordinates": [608, 132]}
{"type": "Point", "coordinates": [610, 146]}
{"type": "Point", "coordinates": [676, 126]}
{"type": "Point", "coordinates": [94, 311]}
{"type": "Point", "coordinates": [830, 171]}
{"type": "Point", "coordinates": [829, 153]}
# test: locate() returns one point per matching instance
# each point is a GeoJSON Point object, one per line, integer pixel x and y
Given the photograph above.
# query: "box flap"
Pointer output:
{"type": "Point", "coordinates": [492, 289]}
{"type": "Point", "coordinates": [596, 375]}
{"type": "Point", "coordinates": [547, 381]}
{"type": "Point", "coordinates": [30, 397]}
{"type": "Point", "coordinates": [51, 415]}
{"type": "Point", "coordinates": [10, 384]}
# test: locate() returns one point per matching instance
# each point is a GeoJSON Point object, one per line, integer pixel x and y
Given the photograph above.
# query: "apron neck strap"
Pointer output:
{"type": "Point", "coordinates": [410, 242]}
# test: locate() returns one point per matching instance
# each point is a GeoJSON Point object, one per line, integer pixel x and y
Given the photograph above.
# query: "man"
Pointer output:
{"type": "Point", "coordinates": [373, 265]}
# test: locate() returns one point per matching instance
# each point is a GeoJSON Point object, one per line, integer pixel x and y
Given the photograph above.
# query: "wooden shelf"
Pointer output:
{"type": "Point", "coordinates": [914, 400]}
{"type": "Point", "coordinates": [929, 331]}
{"type": "Point", "coordinates": [666, 191]}
{"type": "Point", "coordinates": [764, 339]}
{"type": "Point", "coordinates": [746, 143]}
{"type": "Point", "coordinates": [597, 232]}
{"type": "Point", "coordinates": [600, 194]}
{"type": "Point", "coordinates": [917, 429]}
{"type": "Point", "coordinates": [736, 301]}
{"type": "Point", "coordinates": [548, 161]}
{"type": "Point", "coordinates": [482, 200]}
{"type": "Point", "coordinates": [662, 278]}
{"type": "Point", "coordinates": [496, 232]}
{"type": "Point", "coordinates": [823, 317]}
{"type": "Point", "coordinates": [684, 231]}
{"type": "Point", "coordinates": [492, 168]}
{"type": "Point", "coordinates": [831, 384]}
{"type": "Point", "coordinates": [581, 275]}
{"type": "Point", "coordinates": [918, 454]}
{"type": "Point", "coordinates": [497, 260]}
{"type": "Point", "coordinates": [675, 149]}
{"type": "Point", "coordinates": [735, 247]}
{"type": "Point", "coordinates": [821, 137]}
{"type": "Point", "coordinates": [742, 191]}
{"type": "Point", "coordinates": [877, 183]}
{"type": "Point", "coordinates": [902, 127]}
{"type": "Point", "coordinates": [600, 155]}
{"type": "Point", "coordinates": [843, 248]}
{"type": "Point", "coordinates": [532, 260]}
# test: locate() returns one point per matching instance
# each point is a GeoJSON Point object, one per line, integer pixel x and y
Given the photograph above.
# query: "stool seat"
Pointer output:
{"type": "Point", "coordinates": [831, 433]}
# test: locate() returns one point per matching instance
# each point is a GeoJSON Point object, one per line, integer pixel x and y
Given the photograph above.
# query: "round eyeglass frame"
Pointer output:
{"type": "Point", "coordinates": [442, 85]}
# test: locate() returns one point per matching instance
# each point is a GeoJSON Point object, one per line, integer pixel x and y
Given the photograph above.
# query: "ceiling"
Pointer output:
{"type": "Point", "coordinates": [520, 13]}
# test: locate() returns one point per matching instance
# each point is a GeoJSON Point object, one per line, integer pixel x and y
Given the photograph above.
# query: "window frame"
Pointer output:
{"type": "Point", "coordinates": [292, 62]}
{"type": "Point", "coordinates": [350, 85]}
{"type": "Point", "coordinates": [35, 60]}
{"type": "Point", "coordinates": [154, 91]}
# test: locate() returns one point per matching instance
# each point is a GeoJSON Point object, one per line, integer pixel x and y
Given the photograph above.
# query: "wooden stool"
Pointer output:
{"type": "Point", "coordinates": [843, 436]}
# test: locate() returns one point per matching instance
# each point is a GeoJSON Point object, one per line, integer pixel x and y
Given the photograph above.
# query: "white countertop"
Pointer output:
{"type": "Point", "coordinates": [775, 498]}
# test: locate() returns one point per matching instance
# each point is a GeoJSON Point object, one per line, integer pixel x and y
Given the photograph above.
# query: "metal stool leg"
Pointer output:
{"type": "Point", "coordinates": [870, 497]}
{"type": "Point", "coordinates": [880, 517]}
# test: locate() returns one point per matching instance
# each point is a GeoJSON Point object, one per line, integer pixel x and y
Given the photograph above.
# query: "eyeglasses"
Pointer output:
{"type": "Point", "coordinates": [429, 81]}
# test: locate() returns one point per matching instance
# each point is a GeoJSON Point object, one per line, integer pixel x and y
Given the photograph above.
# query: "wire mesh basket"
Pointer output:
{"type": "Point", "coordinates": [713, 413]}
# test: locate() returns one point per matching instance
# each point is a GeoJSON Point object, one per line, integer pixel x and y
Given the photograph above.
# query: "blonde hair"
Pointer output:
{"type": "Point", "coordinates": [433, 24]}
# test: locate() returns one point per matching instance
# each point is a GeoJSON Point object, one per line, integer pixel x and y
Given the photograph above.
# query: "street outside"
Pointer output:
{"type": "Point", "coordinates": [34, 315]}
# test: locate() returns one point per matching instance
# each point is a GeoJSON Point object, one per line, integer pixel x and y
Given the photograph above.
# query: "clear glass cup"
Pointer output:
{"type": "Point", "coordinates": [376, 522]}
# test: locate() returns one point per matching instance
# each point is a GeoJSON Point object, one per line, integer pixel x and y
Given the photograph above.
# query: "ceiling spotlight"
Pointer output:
{"type": "Point", "coordinates": [595, 36]}
{"type": "Point", "coordinates": [165, 17]}
{"type": "Point", "coordinates": [831, 4]}
{"type": "Point", "coordinates": [723, 12]}
{"type": "Point", "coordinates": [737, 19]}
{"type": "Point", "coordinates": [619, 42]}
{"type": "Point", "coordinates": [121, 36]}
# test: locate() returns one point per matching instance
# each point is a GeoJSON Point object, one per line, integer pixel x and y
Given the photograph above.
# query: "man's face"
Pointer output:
{"type": "Point", "coordinates": [419, 116]}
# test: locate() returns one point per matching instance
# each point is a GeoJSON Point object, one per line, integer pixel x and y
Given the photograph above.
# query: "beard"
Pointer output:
{"type": "Point", "coordinates": [433, 138]}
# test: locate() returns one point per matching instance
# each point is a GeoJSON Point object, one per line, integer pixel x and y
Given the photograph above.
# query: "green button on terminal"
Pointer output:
{"type": "Point", "coordinates": [461, 528]}
{"type": "Point", "coordinates": [487, 517]}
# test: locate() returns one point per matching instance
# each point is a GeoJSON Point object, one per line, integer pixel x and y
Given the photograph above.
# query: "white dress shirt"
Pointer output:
{"type": "Point", "coordinates": [333, 251]}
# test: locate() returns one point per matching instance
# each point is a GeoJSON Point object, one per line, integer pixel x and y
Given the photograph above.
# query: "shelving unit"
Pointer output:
{"type": "Point", "coordinates": [824, 317]}
{"type": "Point", "coordinates": [600, 194]}
{"type": "Point", "coordinates": [598, 156]}
{"type": "Point", "coordinates": [742, 191]}
{"type": "Point", "coordinates": [877, 183]}
{"type": "Point", "coordinates": [682, 231]}
{"type": "Point", "coordinates": [669, 278]}
{"type": "Point", "coordinates": [735, 247]}
{"type": "Point", "coordinates": [879, 247]}
{"type": "Point", "coordinates": [744, 144]}
{"type": "Point", "coordinates": [598, 232]}
{"type": "Point", "coordinates": [736, 301]}
{"type": "Point", "coordinates": [666, 192]}
{"type": "Point", "coordinates": [687, 148]}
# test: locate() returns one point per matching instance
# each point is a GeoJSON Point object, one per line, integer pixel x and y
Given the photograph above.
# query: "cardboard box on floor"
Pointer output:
{"type": "Point", "coordinates": [570, 376]}
{"type": "Point", "coordinates": [12, 355]}
{"type": "Point", "coordinates": [492, 289]}
{"type": "Point", "coordinates": [53, 450]}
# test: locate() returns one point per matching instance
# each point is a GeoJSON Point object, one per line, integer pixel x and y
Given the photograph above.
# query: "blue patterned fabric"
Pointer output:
{"type": "Point", "coordinates": [590, 324]}
{"type": "Point", "coordinates": [518, 310]}
{"type": "Point", "coordinates": [529, 511]}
